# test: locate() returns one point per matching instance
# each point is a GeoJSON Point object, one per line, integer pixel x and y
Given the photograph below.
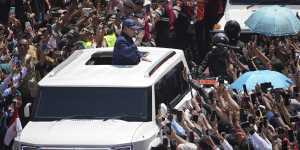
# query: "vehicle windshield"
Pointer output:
{"type": "Point", "coordinates": [55, 103]}
{"type": "Point", "coordinates": [265, 2]}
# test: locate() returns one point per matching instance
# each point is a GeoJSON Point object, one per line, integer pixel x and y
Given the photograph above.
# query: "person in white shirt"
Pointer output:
{"type": "Point", "coordinates": [259, 143]}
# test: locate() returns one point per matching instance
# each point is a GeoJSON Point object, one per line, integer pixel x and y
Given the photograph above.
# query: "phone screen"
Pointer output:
{"type": "Point", "coordinates": [179, 116]}
{"type": "Point", "coordinates": [12, 11]}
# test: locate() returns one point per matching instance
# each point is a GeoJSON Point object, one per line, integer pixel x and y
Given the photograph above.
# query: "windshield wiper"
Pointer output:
{"type": "Point", "coordinates": [125, 116]}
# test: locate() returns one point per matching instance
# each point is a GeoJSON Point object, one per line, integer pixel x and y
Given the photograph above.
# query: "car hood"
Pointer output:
{"type": "Point", "coordinates": [240, 13]}
{"type": "Point", "coordinates": [79, 132]}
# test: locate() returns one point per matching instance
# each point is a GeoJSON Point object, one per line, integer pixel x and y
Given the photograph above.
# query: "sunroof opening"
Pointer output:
{"type": "Point", "coordinates": [102, 58]}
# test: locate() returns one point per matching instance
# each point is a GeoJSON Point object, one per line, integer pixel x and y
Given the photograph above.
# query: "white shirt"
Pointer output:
{"type": "Point", "coordinates": [226, 145]}
{"type": "Point", "coordinates": [259, 143]}
{"type": "Point", "coordinates": [187, 146]}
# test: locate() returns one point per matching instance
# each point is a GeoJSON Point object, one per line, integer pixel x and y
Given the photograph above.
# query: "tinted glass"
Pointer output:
{"type": "Point", "coordinates": [172, 87]}
{"type": "Point", "coordinates": [100, 102]}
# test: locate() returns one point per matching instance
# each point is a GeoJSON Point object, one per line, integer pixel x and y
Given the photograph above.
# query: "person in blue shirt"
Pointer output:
{"type": "Point", "coordinates": [125, 50]}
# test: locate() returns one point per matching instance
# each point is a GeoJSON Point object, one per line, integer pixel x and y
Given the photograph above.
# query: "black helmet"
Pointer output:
{"type": "Point", "coordinates": [232, 29]}
{"type": "Point", "coordinates": [220, 38]}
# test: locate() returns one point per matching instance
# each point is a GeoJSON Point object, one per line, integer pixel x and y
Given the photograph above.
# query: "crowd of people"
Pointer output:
{"type": "Point", "coordinates": [36, 35]}
{"type": "Point", "coordinates": [219, 117]}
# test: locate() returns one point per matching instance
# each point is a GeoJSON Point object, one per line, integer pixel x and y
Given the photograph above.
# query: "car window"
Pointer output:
{"type": "Point", "coordinates": [97, 102]}
{"type": "Point", "coordinates": [172, 86]}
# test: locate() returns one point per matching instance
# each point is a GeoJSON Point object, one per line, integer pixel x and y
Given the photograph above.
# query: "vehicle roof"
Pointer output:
{"type": "Point", "coordinates": [74, 71]}
{"type": "Point", "coordinates": [240, 13]}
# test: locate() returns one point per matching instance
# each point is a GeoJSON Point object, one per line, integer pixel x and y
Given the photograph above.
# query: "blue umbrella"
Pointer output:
{"type": "Point", "coordinates": [250, 79]}
{"type": "Point", "coordinates": [274, 21]}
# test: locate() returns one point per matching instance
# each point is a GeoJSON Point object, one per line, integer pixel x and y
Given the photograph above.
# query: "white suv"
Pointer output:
{"type": "Point", "coordinates": [87, 103]}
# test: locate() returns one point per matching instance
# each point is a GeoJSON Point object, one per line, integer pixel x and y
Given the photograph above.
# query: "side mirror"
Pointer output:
{"type": "Point", "coordinates": [27, 110]}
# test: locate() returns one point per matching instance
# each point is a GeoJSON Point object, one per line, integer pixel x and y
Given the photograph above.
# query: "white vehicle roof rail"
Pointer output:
{"type": "Point", "coordinates": [158, 63]}
{"type": "Point", "coordinates": [69, 60]}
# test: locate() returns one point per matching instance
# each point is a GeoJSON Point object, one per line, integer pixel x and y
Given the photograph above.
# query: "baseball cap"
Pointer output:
{"type": "Point", "coordinates": [130, 23]}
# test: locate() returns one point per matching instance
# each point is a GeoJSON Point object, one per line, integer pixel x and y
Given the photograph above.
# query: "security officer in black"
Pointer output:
{"type": "Point", "coordinates": [215, 59]}
{"type": "Point", "coordinates": [232, 30]}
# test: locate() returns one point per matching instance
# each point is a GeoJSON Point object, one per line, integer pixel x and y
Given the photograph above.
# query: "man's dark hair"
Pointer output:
{"type": "Point", "coordinates": [232, 29]}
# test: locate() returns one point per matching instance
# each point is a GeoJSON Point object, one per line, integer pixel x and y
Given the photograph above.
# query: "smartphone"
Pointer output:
{"type": "Point", "coordinates": [295, 91]}
{"type": "Point", "coordinates": [266, 86]}
{"type": "Point", "coordinates": [235, 91]}
{"type": "Point", "coordinates": [213, 116]}
{"type": "Point", "coordinates": [28, 26]}
{"type": "Point", "coordinates": [12, 11]}
{"type": "Point", "coordinates": [245, 89]}
{"type": "Point", "coordinates": [179, 116]}
{"type": "Point", "coordinates": [291, 135]}
{"type": "Point", "coordinates": [195, 118]}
